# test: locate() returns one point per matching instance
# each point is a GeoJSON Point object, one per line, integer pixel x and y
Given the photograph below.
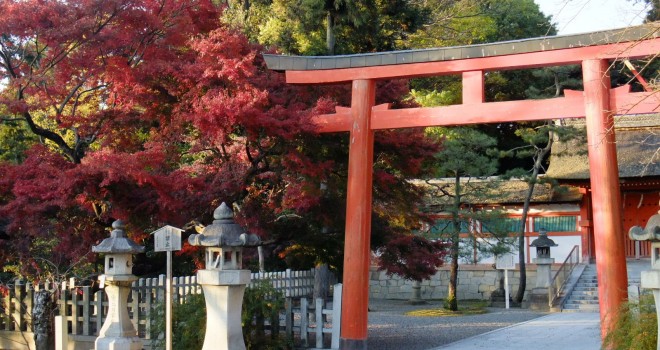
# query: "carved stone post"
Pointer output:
{"type": "Point", "coordinates": [223, 279]}
{"type": "Point", "coordinates": [118, 332]}
{"type": "Point", "coordinates": [651, 278]}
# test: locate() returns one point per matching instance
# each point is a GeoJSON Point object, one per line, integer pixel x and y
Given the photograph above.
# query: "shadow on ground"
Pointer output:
{"type": "Point", "coordinates": [391, 329]}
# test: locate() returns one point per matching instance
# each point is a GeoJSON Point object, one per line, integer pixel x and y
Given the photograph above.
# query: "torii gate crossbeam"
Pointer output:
{"type": "Point", "coordinates": [598, 103]}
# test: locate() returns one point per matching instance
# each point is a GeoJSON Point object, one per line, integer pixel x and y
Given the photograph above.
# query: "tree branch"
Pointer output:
{"type": "Point", "coordinates": [49, 135]}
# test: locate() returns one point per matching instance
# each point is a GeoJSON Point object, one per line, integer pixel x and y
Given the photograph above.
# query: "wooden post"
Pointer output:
{"type": "Point", "coordinates": [357, 252]}
{"type": "Point", "coordinates": [473, 87]}
{"type": "Point", "coordinates": [336, 316]}
{"type": "Point", "coordinates": [86, 309]}
{"type": "Point", "coordinates": [61, 333]}
{"type": "Point", "coordinates": [586, 225]}
{"type": "Point", "coordinates": [318, 319]}
{"type": "Point", "coordinates": [168, 303]}
{"type": "Point", "coordinates": [605, 194]}
{"type": "Point", "coordinates": [304, 319]}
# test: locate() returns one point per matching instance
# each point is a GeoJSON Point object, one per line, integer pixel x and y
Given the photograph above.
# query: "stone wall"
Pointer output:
{"type": "Point", "coordinates": [474, 282]}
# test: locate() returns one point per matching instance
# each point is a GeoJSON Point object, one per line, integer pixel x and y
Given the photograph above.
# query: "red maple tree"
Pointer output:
{"type": "Point", "coordinates": [154, 112]}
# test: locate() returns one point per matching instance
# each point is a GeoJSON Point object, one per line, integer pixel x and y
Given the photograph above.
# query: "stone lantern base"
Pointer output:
{"type": "Point", "coordinates": [223, 293]}
{"type": "Point", "coordinates": [119, 343]}
{"type": "Point", "coordinates": [538, 298]}
{"type": "Point", "coordinates": [118, 331]}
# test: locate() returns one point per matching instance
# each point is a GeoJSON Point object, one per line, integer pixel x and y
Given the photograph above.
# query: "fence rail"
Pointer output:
{"type": "Point", "coordinates": [561, 276]}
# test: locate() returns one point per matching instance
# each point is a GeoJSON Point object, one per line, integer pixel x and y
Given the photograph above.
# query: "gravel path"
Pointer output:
{"type": "Point", "coordinates": [391, 329]}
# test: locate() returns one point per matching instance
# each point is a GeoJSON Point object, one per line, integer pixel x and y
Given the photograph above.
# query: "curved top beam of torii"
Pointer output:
{"type": "Point", "coordinates": [472, 61]}
{"type": "Point", "coordinates": [516, 54]}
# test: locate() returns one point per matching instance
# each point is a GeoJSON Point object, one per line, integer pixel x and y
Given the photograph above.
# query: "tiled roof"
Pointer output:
{"type": "Point", "coordinates": [637, 145]}
{"type": "Point", "coordinates": [495, 191]}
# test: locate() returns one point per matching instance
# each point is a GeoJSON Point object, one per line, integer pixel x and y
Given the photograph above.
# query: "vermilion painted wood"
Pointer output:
{"type": "Point", "coordinates": [605, 194]}
{"type": "Point", "coordinates": [357, 250]}
{"type": "Point", "coordinates": [586, 224]}
{"type": "Point", "coordinates": [571, 106]}
{"type": "Point", "coordinates": [473, 87]}
{"type": "Point", "coordinates": [338, 122]}
{"type": "Point", "coordinates": [479, 113]}
{"type": "Point", "coordinates": [507, 62]}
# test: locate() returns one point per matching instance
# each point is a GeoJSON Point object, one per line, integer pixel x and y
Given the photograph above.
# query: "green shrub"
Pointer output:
{"type": "Point", "coordinates": [636, 328]}
{"type": "Point", "coordinates": [260, 303]}
{"type": "Point", "coordinates": [263, 303]}
{"type": "Point", "coordinates": [188, 324]}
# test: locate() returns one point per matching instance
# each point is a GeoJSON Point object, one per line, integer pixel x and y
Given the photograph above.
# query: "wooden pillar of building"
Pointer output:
{"type": "Point", "coordinates": [605, 194]}
{"type": "Point", "coordinates": [586, 226]}
{"type": "Point", "coordinates": [357, 252]}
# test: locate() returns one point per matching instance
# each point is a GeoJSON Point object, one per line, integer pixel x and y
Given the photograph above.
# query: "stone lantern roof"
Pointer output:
{"type": "Point", "coordinates": [543, 241]}
{"type": "Point", "coordinates": [224, 232]}
{"type": "Point", "coordinates": [118, 243]}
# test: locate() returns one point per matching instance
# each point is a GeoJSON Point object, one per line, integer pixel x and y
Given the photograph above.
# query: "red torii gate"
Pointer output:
{"type": "Point", "coordinates": [598, 103]}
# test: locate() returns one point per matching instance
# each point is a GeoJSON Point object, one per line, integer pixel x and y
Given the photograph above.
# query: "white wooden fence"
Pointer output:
{"type": "Point", "coordinates": [83, 309]}
{"type": "Point", "coordinates": [306, 321]}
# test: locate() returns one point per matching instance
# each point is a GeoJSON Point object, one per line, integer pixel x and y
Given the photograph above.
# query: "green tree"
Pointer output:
{"type": "Point", "coordinates": [15, 140]}
{"type": "Point", "coordinates": [469, 22]}
{"type": "Point", "coordinates": [538, 141]}
{"type": "Point", "coordinates": [328, 27]}
{"type": "Point", "coordinates": [466, 154]}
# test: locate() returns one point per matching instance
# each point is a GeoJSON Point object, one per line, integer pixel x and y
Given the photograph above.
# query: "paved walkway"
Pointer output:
{"type": "Point", "coordinates": [512, 329]}
{"type": "Point", "coordinates": [560, 331]}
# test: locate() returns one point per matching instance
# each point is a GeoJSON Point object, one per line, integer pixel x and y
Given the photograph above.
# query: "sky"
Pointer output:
{"type": "Point", "coordinates": [583, 16]}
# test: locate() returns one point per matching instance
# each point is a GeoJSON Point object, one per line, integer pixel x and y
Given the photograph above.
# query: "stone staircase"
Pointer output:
{"type": "Point", "coordinates": [584, 297]}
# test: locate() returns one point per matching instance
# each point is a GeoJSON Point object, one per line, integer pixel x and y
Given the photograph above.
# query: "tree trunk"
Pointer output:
{"type": "Point", "coordinates": [538, 162]}
{"type": "Point", "coordinates": [321, 281]}
{"type": "Point", "coordinates": [452, 303]}
{"type": "Point", "coordinates": [520, 294]}
{"type": "Point", "coordinates": [330, 34]}
{"type": "Point", "coordinates": [42, 325]}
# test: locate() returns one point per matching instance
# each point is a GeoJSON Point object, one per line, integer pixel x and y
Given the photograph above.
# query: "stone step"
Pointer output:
{"type": "Point", "coordinates": [586, 289]}
{"type": "Point", "coordinates": [583, 297]}
{"type": "Point", "coordinates": [586, 284]}
{"type": "Point", "coordinates": [582, 302]}
{"type": "Point", "coordinates": [582, 309]}
{"type": "Point", "coordinates": [581, 281]}
{"type": "Point", "coordinates": [593, 293]}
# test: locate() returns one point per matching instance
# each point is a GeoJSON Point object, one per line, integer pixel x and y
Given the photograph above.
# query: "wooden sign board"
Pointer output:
{"type": "Point", "coordinates": [167, 238]}
{"type": "Point", "coordinates": [505, 262]}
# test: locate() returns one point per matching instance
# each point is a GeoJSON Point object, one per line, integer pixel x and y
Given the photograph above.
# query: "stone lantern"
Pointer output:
{"type": "Point", "coordinates": [223, 279]}
{"type": "Point", "coordinates": [651, 279]}
{"type": "Point", "coordinates": [539, 298]}
{"type": "Point", "coordinates": [118, 332]}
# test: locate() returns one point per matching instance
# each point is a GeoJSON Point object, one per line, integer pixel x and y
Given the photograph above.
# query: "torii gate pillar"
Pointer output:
{"type": "Point", "coordinates": [606, 198]}
{"type": "Point", "coordinates": [357, 251]}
